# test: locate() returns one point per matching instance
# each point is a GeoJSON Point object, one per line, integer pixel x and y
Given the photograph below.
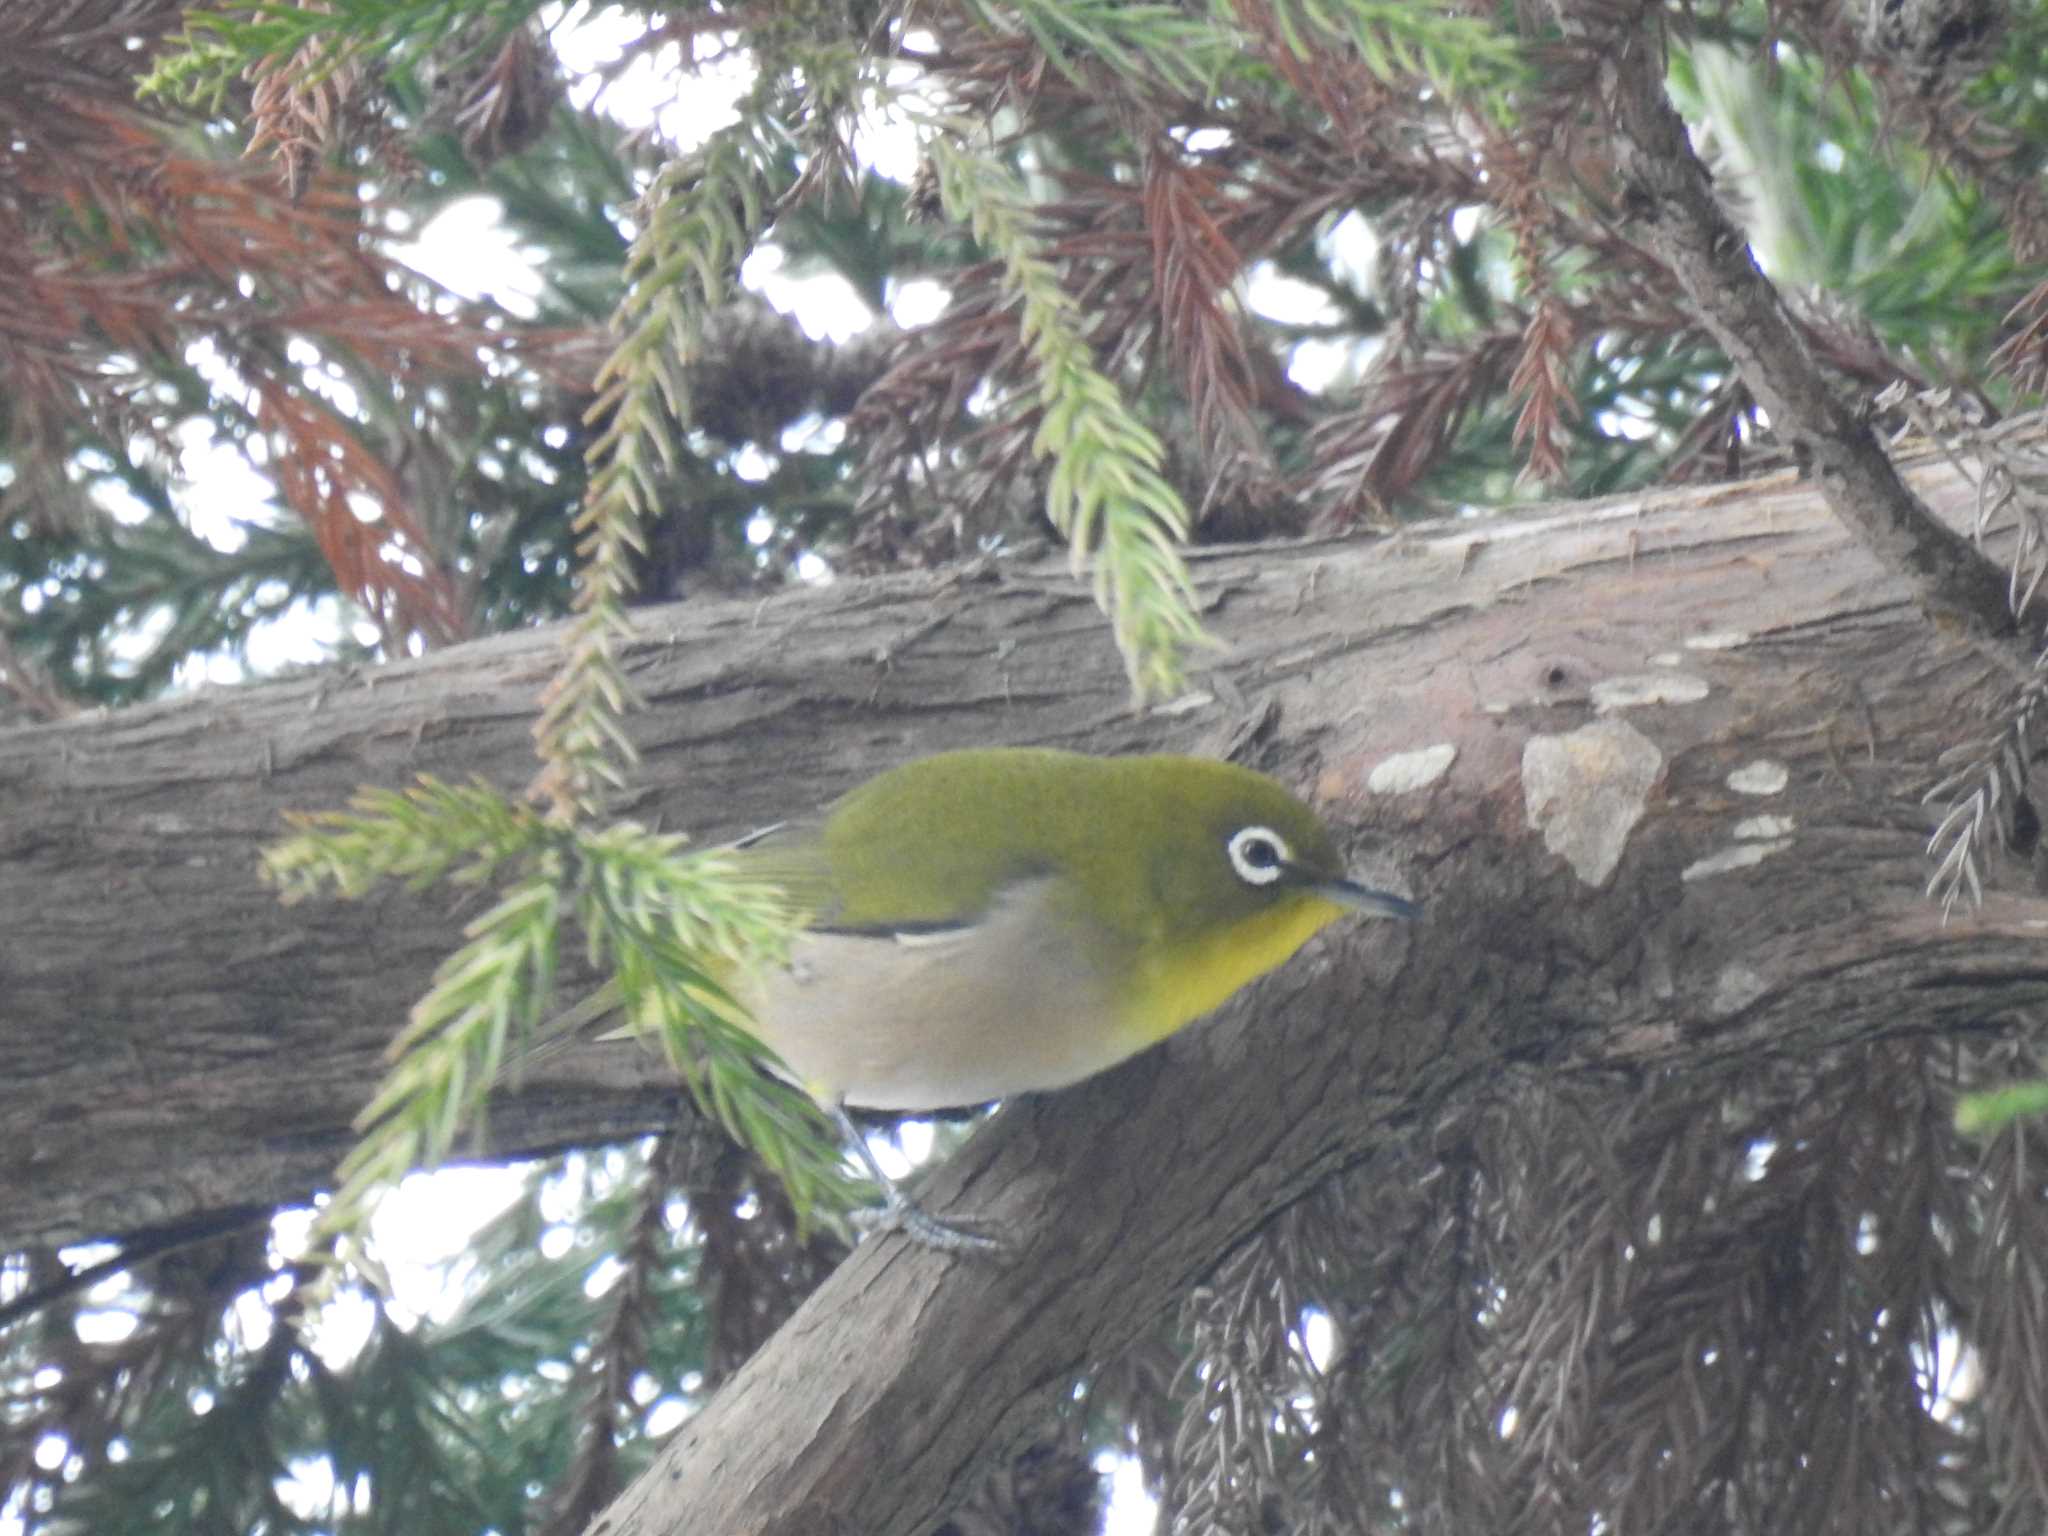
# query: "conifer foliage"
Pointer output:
{"type": "Point", "coordinates": [1212, 269]}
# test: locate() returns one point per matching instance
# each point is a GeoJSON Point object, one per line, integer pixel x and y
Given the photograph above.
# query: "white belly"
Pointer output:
{"type": "Point", "coordinates": [932, 1022]}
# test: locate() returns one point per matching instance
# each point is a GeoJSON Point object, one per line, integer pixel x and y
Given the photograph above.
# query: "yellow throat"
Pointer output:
{"type": "Point", "coordinates": [1176, 982]}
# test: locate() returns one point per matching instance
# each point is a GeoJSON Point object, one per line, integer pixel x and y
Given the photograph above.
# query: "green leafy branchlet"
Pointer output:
{"type": "Point", "coordinates": [218, 46]}
{"type": "Point", "coordinates": [1183, 51]}
{"type": "Point", "coordinates": [673, 927]}
{"type": "Point", "coordinates": [655, 919]}
{"type": "Point", "coordinates": [1107, 494]}
{"type": "Point", "coordinates": [1399, 42]}
{"type": "Point", "coordinates": [1147, 44]}
{"type": "Point", "coordinates": [433, 831]}
{"type": "Point", "coordinates": [698, 222]}
{"type": "Point", "coordinates": [670, 927]}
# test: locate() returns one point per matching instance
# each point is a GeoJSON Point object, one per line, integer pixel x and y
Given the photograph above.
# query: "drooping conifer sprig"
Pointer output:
{"type": "Point", "coordinates": [671, 929]}
{"type": "Point", "coordinates": [697, 223]}
{"type": "Point", "coordinates": [1197, 54]}
{"type": "Point", "coordinates": [220, 43]}
{"type": "Point", "coordinates": [1168, 292]}
{"type": "Point", "coordinates": [667, 925]}
{"type": "Point", "coordinates": [485, 1000]}
{"type": "Point", "coordinates": [1106, 494]}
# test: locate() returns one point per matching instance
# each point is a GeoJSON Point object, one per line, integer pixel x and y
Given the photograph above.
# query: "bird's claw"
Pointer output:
{"type": "Point", "coordinates": [902, 1214]}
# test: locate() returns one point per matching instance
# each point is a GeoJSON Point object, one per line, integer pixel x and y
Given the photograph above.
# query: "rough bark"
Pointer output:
{"type": "Point", "coordinates": [1681, 829]}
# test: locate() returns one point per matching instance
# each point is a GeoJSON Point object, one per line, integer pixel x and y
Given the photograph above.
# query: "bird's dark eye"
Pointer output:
{"type": "Point", "coordinates": [1258, 854]}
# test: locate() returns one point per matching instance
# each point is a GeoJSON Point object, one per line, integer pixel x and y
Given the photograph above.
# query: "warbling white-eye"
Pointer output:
{"type": "Point", "coordinates": [986, 923]}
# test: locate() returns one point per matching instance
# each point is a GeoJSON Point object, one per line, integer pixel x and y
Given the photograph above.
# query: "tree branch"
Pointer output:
{"type": "Point", "coordinates": [1654, 764]}
{"type": "Point", "coordinates": [1671, 192]}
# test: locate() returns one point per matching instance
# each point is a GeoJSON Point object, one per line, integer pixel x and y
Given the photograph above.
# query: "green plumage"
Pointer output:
{"type": "Point", "coordinates": [989, 922]}
{"type": "Point", "coordinates": [1141, 839]}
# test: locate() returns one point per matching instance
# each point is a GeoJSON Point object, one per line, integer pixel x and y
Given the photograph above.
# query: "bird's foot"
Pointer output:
{"type": "Point", "coordinates": [905, 1215]}
{"type": "Point", "coordinates": [900, 1213]}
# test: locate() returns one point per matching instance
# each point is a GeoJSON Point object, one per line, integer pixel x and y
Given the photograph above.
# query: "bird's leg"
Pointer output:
{"type": "Point", "coordinates": [900, 1213]}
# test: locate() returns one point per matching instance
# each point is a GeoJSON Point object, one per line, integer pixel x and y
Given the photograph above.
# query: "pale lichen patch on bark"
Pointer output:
{"type": "Point", "coordinates": [1406, 772]}
{"type": "Point", "coordinates": [1585, 792]}
{"type": "Point", "coordinates": [1640, 688]}
{"type": "Point", "coordinates": [1758, 827]}
{"type": "Point", "coordinates": [1736, 986]}
{"type": "Point", "coordinates": [1762, 777]}
{"type": "Point", "coordinates": [1742, 856]}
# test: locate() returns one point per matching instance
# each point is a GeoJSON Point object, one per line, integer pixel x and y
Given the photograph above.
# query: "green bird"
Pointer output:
{"type": "Point", "coordinates": [985, 923]}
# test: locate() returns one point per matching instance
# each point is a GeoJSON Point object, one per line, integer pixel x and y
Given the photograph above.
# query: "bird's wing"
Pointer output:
{"type": "Point", "coordinates": [860, 897]}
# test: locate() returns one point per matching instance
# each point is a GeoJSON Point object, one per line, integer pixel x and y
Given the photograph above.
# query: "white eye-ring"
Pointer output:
{"type": "Point", "coordinates": [1258, 854]}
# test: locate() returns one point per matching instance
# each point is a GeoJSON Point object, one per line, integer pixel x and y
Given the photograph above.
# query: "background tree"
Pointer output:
{"type": "Point", "coordinates": [1223, 274]}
